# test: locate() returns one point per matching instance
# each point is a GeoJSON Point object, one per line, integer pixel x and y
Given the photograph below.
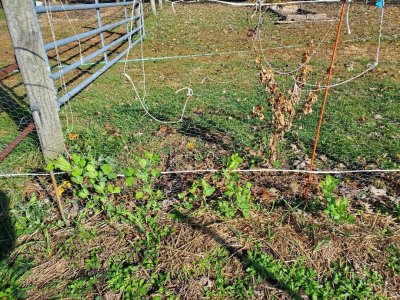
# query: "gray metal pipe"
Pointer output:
{"type": "Point", "coordinates": [86, 34]}
{"type": "Point", "coordinates": [99, 25]}
{"type": "Point", "coordinates": [59, 8]}
{"type": "Point", "coordinates": [85, 59]}
{"type": "Point", "coordinates": [86, 82]}
{"type": "Point", "coordinates": [126, 16]}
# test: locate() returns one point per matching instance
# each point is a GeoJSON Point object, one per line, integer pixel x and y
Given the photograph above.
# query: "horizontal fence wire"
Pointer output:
{"type": "Point", "coordinates": [75, 7]}
{"type": "Point", "coordinates": [200, 171]}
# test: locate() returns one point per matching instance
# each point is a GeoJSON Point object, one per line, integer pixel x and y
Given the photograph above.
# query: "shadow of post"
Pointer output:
{"type": "Point", "coordinates": [7, 232]}
{"type": "Point", "coordinates": [246, 260]}
{"type": "Point", "coordinates": [14, 105]}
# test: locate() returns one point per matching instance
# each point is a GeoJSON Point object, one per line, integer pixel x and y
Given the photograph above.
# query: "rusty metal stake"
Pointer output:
{"type": "Point", "coordinates": [7, 70]}
{"type": "Point", "coordinates": [16, 141]}
{"type": "Point", "coordinates": [328, 82]}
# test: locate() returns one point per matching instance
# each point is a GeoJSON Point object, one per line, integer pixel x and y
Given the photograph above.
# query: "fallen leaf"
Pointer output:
{"type": "Point", "coordinates": [112, 130]}
{"type": "Point", "coordinates": [191, 145]}
{"type": "Point", "coordinates": [377, 192]}
{"type": "Point", "coordinates": [73, 136]}
{"type": "Point", "coordinates": [262, 194]}
{"type": "Point", "coordinates": [362, 119]}
{"type": "Point", "coordinates": [65, 185]}
{"type": "Point", "coordinates": [163, 130]}
{"type": "Point", "coordinates": [258, 109]}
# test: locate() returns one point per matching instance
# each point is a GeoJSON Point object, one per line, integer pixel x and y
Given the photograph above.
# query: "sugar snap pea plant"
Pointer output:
{"type": "Point", "coordinates": [237, 198]}
{"type": "Point", "coordinates": [143, 177]}
{"type": "Point", "coordinates": [95, 183]}
{"type": "Point", "coordinates": [200, 189]}
{"type": "Point", "coordinates": [336, 208]}
{"type": "Point", "coordinates": [228, 195]}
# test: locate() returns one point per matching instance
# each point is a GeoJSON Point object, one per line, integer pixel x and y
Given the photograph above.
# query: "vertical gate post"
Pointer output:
{"type": "Point", "coordinates": [126, 17]}
{"type": "Point", "coordinates": [137, 12]}
{"type": "Point", "coordinates": [153, 6]}
{"type": "Point", "coordinates": [33, 64]}
{"type": "Point", "coordinates": [99, 23]}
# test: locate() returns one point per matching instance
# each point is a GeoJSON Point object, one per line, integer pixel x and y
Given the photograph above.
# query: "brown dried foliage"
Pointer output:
{"type": "Point", "coordinates": [284, 103]}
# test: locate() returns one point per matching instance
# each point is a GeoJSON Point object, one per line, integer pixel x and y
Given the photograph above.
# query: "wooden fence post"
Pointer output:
{"type": "Point", "coordinates": [160, 4]}
{"type": "Point", "coordinates": [153, 6]}
{"type": "Point", "coordinates": [33, 64]}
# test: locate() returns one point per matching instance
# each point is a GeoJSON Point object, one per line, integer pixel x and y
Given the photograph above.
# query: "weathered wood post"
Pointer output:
{"type": "Point", "coordinates": [153, 6]}
{"type": "Point", "coordinates": [160, 4]}
{"type": "Point", "coordinates": [33, 64]}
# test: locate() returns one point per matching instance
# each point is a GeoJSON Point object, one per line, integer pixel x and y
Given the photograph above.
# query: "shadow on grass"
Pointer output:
{"type": "Point", "coordinates": [90, 68]}
{"type": "Point", "coordinates": [7, 233]}
{"type": "Point", "coordinates": [18, 111]}
{"type": "Point", "coordinates": [243, 256]}
{"type": "Point", "coordinates": [14, 105]}
{"type": "Point", "coordinates": [212, 134]}
{"type": "Point", "coordinates": [12, 270]}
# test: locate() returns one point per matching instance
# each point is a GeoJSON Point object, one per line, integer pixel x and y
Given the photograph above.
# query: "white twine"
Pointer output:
{"type": "Point", "coordinates": [273, 4]}
{"type": "Point", "coordinates": [179, 1]}
{"type": "Point", "coordinates": [260, 170]}
{"type": "Point", "coordinates": [69, 125]}
{"type": "Point", "coordinates": [347, 17]}
{"type": "Point", "coordinates": [73, 29]}
{"type": "Point", "coordinates": [142, 99]}
{"type": "Point", "coordinates": [370, 68]}
{"type": "Point", "coordinates": [258, 37]}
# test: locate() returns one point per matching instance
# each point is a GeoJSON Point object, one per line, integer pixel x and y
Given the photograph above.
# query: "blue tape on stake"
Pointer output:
{"type": "Point", "coordinates": [380, 3]}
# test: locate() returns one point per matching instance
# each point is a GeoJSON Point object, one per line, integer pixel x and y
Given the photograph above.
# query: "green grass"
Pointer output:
{"type": "Point", "coordinates": [220, 113]}
{"type": "Point", "coordinates": [147, 236]}
{"type": "Point", "coordinates": [359, 123]}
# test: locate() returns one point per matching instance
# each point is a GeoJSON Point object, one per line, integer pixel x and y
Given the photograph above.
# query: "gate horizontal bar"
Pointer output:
{"type": "Point", "coordinates": [60, 8]}
{"type": "Point", "coordinates": [95, 75]}
{"type": "Point", "coordinates": [85, 59]}
{"type": "Point", "coordinates": [80, 36]}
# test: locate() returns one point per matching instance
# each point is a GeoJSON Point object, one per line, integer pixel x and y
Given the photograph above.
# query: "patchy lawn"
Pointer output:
{"type": "Point", "coordinates": [218, 235]}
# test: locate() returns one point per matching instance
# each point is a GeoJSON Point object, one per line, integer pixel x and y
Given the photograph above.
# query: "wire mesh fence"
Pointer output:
{"type": "Point", "coordinates": [15, 105]}
{"type": "Point", "coordinates": [15, 118]}
{"type": "Point", "coordinates": [221, 95]}
{"type": "Point", "coordinates": [229, 111]}
{"type": "Point", "coordinates": [220, 59]}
